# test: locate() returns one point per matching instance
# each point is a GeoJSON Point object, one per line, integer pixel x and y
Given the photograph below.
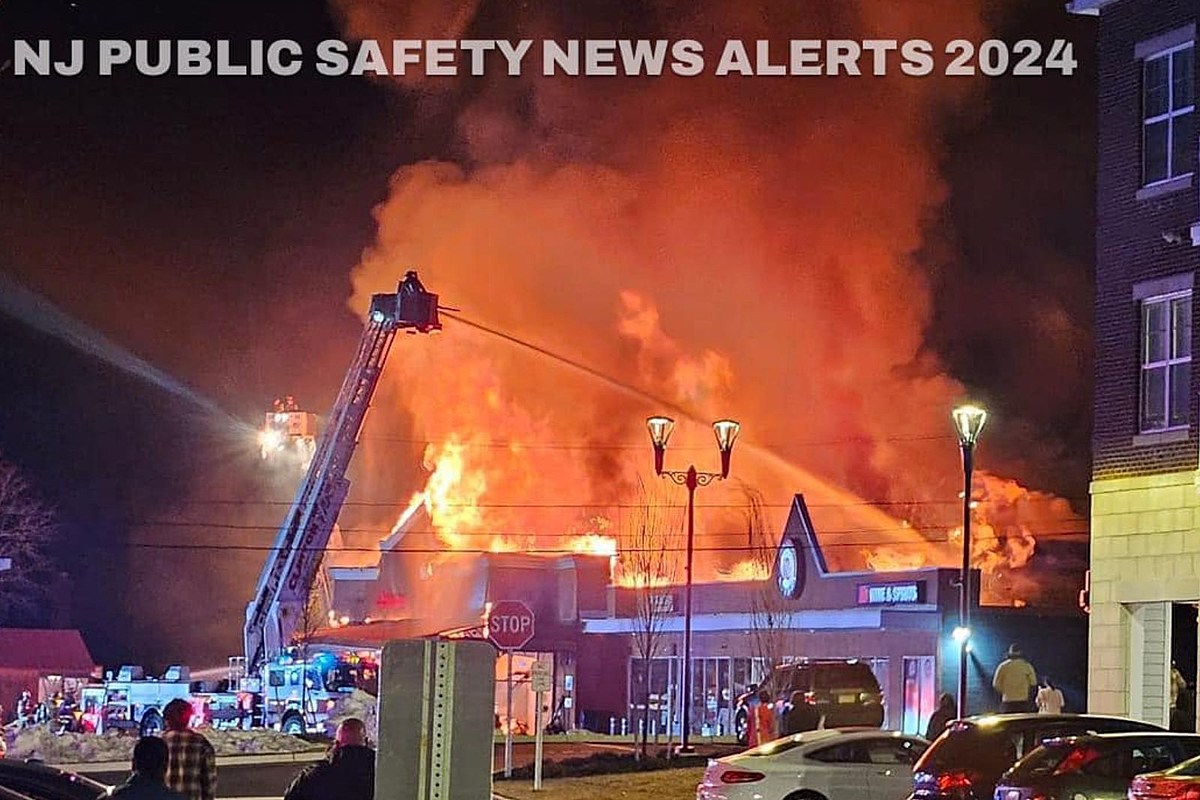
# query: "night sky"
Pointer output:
{"type": "Point", "coordinates": [209, 225]}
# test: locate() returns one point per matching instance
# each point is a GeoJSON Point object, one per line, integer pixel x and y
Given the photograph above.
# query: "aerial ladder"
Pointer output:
{"type": "Point", "coordinates": [276, 612]}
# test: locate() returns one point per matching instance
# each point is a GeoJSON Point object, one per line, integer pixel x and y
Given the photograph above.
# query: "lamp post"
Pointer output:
{"type": "Point", "coordinates": [968, 422]}
{"type": "Point", "coordinates": [726, 431]}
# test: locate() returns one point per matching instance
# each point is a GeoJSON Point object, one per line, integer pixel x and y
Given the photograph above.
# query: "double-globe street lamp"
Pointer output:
{"type": "Point", "coordinates": [726, 431]}
{"type": "Point", "coordinates": [968, 422]}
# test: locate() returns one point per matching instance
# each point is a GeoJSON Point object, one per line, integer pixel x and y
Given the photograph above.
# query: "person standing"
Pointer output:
{"type": "Point", "coordinates": [192, 762]}
{"type": "Point", "coordinates": [1049, 698]}
{"type": "Point", "coordinates": [941, 716]}
{"type": "Point", "coordinates": [348, 773]}
{"type": "Point", "coordinates": [1178, 683]}
{"type": "Point", "coordinates": [149, 778]}
{"type": "Point", "coordinates": [799, 716]}
{"type": "Point", "coordinates": [763, 728]}
{"type": "Point", "coordinates": [1014, 679]}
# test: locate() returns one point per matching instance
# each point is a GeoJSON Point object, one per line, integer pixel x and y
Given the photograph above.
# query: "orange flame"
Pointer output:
{"type": "Point", "coordinates": [744, 571]}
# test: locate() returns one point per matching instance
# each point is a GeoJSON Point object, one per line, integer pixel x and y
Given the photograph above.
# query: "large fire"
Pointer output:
{"type": "Point", "coordinates": [726, 247]}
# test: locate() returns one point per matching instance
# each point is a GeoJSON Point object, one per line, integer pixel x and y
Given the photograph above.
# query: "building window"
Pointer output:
{"type": "Point", "coordinates": [1168, 144]}
{"type": "Point", "coordinates": [1166, 361]}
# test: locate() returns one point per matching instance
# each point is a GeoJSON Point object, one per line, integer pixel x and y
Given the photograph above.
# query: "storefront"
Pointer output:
{"type": "Point", "coordinates": [900, 623]}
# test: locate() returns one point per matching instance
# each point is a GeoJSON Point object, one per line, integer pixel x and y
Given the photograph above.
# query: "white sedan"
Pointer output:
{"type": "Point", "coordinates": [837, 764]}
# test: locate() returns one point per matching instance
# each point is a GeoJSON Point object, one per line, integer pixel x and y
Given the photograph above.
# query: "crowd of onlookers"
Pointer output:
{"type": "Point", "coordinates": [182, 765]}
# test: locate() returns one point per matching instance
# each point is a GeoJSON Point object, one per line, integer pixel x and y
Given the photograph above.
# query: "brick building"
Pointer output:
{"type": "Point", "coordinates": [1145, 554]}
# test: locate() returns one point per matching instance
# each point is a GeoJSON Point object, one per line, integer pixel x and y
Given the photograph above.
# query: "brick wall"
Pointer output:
{"type": "Point", "coordinates": [1130, 246]}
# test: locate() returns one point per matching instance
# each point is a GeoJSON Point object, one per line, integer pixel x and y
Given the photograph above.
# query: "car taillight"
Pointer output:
{"type": "Point", "coordinates": [810, 698]}
{"type": "Point", "coordinates": [741, 776]}
{"type": "Point", "coordinates": [1077, 758]}
{"type": "Point", "coordinates": [1164, 789]}
{"type": "Point", "coordinates": [953, 780]}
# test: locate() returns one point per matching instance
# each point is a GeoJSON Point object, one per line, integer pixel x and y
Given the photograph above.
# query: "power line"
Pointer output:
{"type": "Point", "coordinates": [484, 551]}
{"type": "Point", "coordinates": [599, 505]}
{"type": "Point", "coordinates": [467, 442]}
{"type": "Point", "coordinates": [493, 533]}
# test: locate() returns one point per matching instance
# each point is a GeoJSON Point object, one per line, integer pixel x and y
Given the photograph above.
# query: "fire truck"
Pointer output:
{"type": "Point", "coordinates": [279, 689]}
{"type": "Point", "coordinates": [131, 701]}
{"type": "Point", "coordinates": [276, 684]}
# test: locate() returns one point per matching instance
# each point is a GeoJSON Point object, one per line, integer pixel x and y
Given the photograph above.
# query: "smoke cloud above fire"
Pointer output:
{"type": "Point", "coordinates": [738, 247]}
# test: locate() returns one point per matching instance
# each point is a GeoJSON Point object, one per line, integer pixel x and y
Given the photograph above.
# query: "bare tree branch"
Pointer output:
{"type": "Point", "coordinates": [649, 566]}
{"type": "Point", "coordinates": [772, 637]}
{"type": "Point", "coordinates": [28, 528]}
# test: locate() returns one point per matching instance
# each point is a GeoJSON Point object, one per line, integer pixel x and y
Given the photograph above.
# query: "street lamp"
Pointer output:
{"type": "Point", "coordinates": [726, 431]}
{"type": "Point", "coordinates": [968, 422]}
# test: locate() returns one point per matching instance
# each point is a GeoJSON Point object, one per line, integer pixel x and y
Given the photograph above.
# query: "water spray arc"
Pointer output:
{"type": "Point", "coordinates": [37, 312]}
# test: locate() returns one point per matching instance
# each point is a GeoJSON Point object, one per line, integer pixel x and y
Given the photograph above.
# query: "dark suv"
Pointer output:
{"type": "Point", "coordinates": [967, 760]}
{"type": "Point", "coordinates": [844, 693]}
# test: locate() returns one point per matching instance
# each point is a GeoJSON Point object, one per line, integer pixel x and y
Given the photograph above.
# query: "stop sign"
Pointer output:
{"type": "Point", "coordinates": [510, 624]}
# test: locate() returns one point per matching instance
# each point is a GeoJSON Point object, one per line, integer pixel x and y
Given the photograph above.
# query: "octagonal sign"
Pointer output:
{"type": "Point", "coordinates": [510, 624]}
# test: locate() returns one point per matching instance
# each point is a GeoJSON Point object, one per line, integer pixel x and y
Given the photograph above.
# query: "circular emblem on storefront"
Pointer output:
{"type": "Point", "coordinates": [789, 569]}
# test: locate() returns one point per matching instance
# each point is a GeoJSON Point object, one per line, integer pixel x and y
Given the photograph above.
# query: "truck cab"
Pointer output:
{"type": "Point", "coordinates": [297, 693]}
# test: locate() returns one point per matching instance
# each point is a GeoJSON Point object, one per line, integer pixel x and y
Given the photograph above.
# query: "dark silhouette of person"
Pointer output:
{"type": "Point", "coordinates": [149, 778]}
{"type": "Point", "coordinates": [348, 773]}
{"type": "Point", "coordinates": [943, 714]}
{"type": "Point", "coordinates": [799, 716]}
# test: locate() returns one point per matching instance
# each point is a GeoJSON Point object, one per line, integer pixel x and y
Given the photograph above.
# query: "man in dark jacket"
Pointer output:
{"type": "Point", "coordinates": [348, 773]}
{"type": "Point", "coordinates": [148, 781]}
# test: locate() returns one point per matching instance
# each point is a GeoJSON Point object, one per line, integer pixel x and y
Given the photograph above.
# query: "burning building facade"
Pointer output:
{"type": "Point", "coordinates": [616, 649]}
{"type": "Point", "coordinates": [1145, 555]}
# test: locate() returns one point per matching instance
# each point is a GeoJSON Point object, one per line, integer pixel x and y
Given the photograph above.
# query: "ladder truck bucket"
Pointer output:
{"type": "Point", "coordinates": [410, 307]}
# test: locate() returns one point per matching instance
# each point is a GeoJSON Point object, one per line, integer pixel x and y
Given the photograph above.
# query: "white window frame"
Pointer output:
{"type": "Point", "coordinates": [1171, 114]}
{"type": "Point", "coordinates": [1164, 364]}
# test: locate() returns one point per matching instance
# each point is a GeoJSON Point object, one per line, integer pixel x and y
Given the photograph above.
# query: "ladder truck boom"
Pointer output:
{"type": "Point", "coordinates": [275, 613]}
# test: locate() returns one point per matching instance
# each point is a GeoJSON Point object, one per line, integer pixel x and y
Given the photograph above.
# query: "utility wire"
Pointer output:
{"type": "Point", "coordinates": [599, 505]}
{"type": "Point", "coordinates": [482, 551]}
{"type": "Point", "coordinates": [493, 533]}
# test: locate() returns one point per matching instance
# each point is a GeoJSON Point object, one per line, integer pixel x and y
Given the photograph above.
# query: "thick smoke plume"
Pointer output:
{"type": "Point", "coordinates": [738, 246]}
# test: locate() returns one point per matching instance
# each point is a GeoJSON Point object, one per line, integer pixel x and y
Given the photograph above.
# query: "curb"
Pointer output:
{"type": "Point", "coordinates": [222, 761]}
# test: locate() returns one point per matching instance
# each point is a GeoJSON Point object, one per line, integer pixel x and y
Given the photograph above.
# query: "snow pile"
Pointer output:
{"type": "Point", "coordinates": [357, 704]}
{"type": "Point", "coordinates": [42, 743]}
{"type": "Point", "coordinates": [232, 743]}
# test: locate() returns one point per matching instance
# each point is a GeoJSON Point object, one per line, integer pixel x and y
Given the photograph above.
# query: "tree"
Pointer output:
{"type": "Point", "coordinates": [649, 566]}
{"type": "Point", "coordinates": [28, 528]}
{"type": "Point", "coordinates": [772, 637]}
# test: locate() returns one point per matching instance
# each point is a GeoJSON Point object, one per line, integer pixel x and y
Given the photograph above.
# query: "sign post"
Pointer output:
{"type": "Point", "coordinates": [510, 627]}
{"type": "Point", "coordinates": [541, 679]}
{"type": "Point", "coordinates": [508, 726]}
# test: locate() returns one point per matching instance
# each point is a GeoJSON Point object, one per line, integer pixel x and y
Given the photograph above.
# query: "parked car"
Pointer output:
{"type": "Point", "coordinates": [864, 763]}
{"type": "Point", "coordinates": [1097, 766]}
{"type": "Point", "coordinates": [42, 782]}
{"type": "Point", "coordinates": [965, 762]}
{"type": "Point", "coordinates": [9, 794]}
{"type": "Point", "coordinates": [843, 692]}
{"type": "Point", "coordinates": [1180, 782]}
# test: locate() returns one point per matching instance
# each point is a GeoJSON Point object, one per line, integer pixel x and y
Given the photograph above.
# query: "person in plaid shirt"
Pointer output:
{"type": "Point", "coordinates": [192, 762]}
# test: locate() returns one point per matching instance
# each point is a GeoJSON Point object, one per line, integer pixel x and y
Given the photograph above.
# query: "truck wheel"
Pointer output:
{"type": "Point", "coordinates": [741, 727]}
{"type": "Point", "coordinates": [293, 724]}
{"type": "Point", "coordinates": [152, 723]}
